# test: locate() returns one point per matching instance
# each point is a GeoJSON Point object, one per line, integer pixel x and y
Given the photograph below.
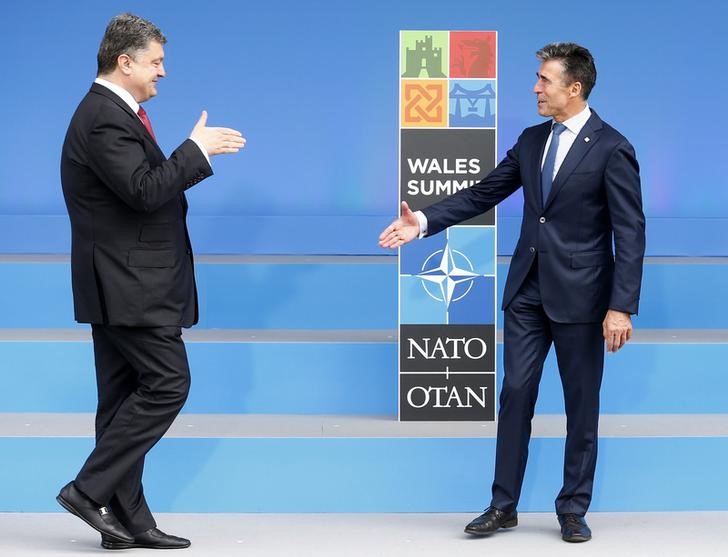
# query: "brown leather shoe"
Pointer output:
{"type": "Point", "coordinates": [491, 520]}
{"type": "Point", "coordinates": [151, 539]}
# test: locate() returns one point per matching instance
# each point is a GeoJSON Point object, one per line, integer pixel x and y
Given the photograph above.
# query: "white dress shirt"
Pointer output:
{"type": "Point", "coordinates": [567, 138]}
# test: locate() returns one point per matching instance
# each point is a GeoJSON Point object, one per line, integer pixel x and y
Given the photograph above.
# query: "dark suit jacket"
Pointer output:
{"type": "Point", "coordinates": [595, 203]}
{"type": "Point", "coordinates": [131, 258]}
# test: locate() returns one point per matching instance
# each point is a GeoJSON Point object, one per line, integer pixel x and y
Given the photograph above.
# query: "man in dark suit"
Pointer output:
{"type": "Point", "coordinates": [566, 285]}
{"type": "Point", "coordinates": [132, 274]}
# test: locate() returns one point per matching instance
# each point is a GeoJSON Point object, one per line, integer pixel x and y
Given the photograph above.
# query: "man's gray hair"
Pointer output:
{"type": "Point", "coordinates": [126, 34]}
{"type": "Point", "coordinates": [577, 61]}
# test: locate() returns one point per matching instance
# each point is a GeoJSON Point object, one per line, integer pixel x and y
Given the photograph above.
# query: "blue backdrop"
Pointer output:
{"type": "Point", "coordinates": [314, 87]}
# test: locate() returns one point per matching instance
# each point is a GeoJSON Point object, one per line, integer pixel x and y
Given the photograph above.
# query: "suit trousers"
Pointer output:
{"type": "Point", "coordinates": [528, 334]}
{"type": "Point", "coordinates": [143, 379]}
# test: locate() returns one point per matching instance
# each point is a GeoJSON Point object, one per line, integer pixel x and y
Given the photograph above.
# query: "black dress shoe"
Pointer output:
{"type": "Point", "coordinates": [574, 528]}
{"type": "Point", "coordinates": [99, 518]}
{"type": "Point", "coordinates": [151, 539]}
{"type": "Point", "coordinates": [491, 520]}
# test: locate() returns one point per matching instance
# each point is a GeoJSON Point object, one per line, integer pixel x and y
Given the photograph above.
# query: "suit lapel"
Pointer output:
{"type": "Point", "coordinates": [109, 94]}
{"type": "Point", "coordinates": [583, 143]}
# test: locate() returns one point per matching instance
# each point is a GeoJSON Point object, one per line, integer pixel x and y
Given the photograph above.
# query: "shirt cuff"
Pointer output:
{"type": "Point", "coordinates": [422, 219]}
{"type": "Point", "coordinates": [204, 151]}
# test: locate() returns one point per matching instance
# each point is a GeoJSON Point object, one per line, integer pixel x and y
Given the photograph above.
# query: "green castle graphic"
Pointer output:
{"type": "Point", "coordinates": [424, 57]}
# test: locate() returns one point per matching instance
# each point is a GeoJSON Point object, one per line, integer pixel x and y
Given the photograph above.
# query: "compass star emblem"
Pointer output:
{"type": "Point", "coordinates": [454, 272]}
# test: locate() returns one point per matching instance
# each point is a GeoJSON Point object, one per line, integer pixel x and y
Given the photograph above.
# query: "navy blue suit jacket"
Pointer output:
{"type": "Point", "coordinates": [589, 235]}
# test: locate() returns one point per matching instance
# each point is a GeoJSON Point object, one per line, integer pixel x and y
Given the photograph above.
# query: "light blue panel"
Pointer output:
{"type": "Point", "coordinates": [662, 474]}
{"type": "Point", "coordinates": [666, 378]}
{"type": "Point", "coordinates": [249, 235]}
{"type": "Point", "coordinates": [353, 379]}
{"type": "Point", "coordinates": [373, 475]}
{"type": "Point", "coordinates": [248, 296]}
{"type": "Point", "coordinates": [47, 377]}
{"type": "Point", "coordinates": [319, 378]}
{"type": "Point", "coordinates": [417, 306]}
{"type": "Point", "coordinates": [684, 296]}
{"type": "Point", "coordinates": [345, 296]}
{"type": "Point", "coordinates": [477, 243]}
{"type": "Point", "coordinates": [427, 250]}
{"type": "Point", "coordinates": [289, 235]}
{"type": "Point", "coordinates": [316, 296]}
{"type": "Point", "coordinates": [648, 379]}
{"type": "Point", "coordinates": [36, 295]}
{"type": "Point", "coordinates": [322, 235]}
{"type": "Point", "coordinates": [35, 233]}
{"type": "Point", "coordinates": [266, 378]}
{"type": "Point", "coordinates": [475, 302]}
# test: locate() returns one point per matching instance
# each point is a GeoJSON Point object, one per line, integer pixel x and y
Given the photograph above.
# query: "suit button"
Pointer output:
{"type": "Point", "coordinates": [532, 249]}
{"type": "Point", "coordinates": [542, 220]}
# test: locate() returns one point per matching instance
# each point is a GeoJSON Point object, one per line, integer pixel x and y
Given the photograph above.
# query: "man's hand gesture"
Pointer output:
{"type": "Point", "coordinates": [403, 230]}
{"type": "Point", "coordinates": [217, 141]}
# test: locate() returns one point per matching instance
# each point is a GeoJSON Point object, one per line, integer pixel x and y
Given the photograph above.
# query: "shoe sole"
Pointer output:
{"type": "Point", "coordinates": [112, 545]}
{"type": "Point", "coordinates": [510, 524]}
{"type": "Point", "coordinates": [576, 539]}
{"type": "Point", "coordinates": [66, 505]}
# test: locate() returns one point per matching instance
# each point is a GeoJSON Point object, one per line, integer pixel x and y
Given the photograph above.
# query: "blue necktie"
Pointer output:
{"type": "Point", "coordinates": [547, 173]}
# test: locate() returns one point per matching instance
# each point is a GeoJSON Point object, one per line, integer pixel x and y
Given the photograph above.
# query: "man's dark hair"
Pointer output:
{"type": "Point", "coordinates": [577, 61]}
{"type": "Point", "coordinates": [126, 34]}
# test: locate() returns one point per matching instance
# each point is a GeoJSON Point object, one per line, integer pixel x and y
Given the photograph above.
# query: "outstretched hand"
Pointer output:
{"type": "Point", "coordinates": [217, 141]}
{"type": "Point", "coordinates": [403, 230]}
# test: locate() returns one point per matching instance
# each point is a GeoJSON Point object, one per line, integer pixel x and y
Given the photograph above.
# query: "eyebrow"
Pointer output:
{"type": "Point", "coordinates": [542, 76]}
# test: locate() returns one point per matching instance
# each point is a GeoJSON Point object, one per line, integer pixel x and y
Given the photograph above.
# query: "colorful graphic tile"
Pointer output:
{"type": "Point", "coordinates": [424, 54]}
{"type": "Point", "coordinates": [473, 54]}
{"type": "Point", "coordinates": [424, 103]}
{"type": "Point", "coordinates": [472, 103]}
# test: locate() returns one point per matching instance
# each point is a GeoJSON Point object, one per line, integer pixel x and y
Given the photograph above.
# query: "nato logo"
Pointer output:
{"type": "Point", "coordinates": [449, 278]}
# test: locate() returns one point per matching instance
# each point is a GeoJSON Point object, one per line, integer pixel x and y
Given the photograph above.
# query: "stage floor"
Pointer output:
{"type": "Point", "coordinates": [684, 534]}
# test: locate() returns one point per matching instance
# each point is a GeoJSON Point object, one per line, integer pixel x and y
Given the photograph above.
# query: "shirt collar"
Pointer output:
{"type": "Point", "coordinates": [578, 121]}
{"type": "Point", "coordinates": [125, 95]}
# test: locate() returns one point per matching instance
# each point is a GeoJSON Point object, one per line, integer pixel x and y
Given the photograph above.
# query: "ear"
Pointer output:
{"type": "Point", "coordinates": [123, 62]}
{"type": "Point", "coordinates": [575, 89]}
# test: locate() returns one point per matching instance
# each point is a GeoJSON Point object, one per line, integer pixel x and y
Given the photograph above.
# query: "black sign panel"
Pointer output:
{"type": "Point", "coordinates": [435, 163]}
{"type": "Point", "coordinates": [447, 372]}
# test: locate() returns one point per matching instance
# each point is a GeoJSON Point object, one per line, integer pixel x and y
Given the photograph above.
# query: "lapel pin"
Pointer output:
{"type": "Point", "coordinates": [586, 139]}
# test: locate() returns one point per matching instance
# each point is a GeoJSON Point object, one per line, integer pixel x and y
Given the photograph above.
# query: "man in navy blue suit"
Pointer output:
{"type": "Point", "coordinates": [574, 279]}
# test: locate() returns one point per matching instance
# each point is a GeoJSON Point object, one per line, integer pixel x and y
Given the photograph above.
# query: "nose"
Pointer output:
{"type": "Point", "coordinates": [161, 72]}
{"type": "Point", "coordinates": [537, 87]}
